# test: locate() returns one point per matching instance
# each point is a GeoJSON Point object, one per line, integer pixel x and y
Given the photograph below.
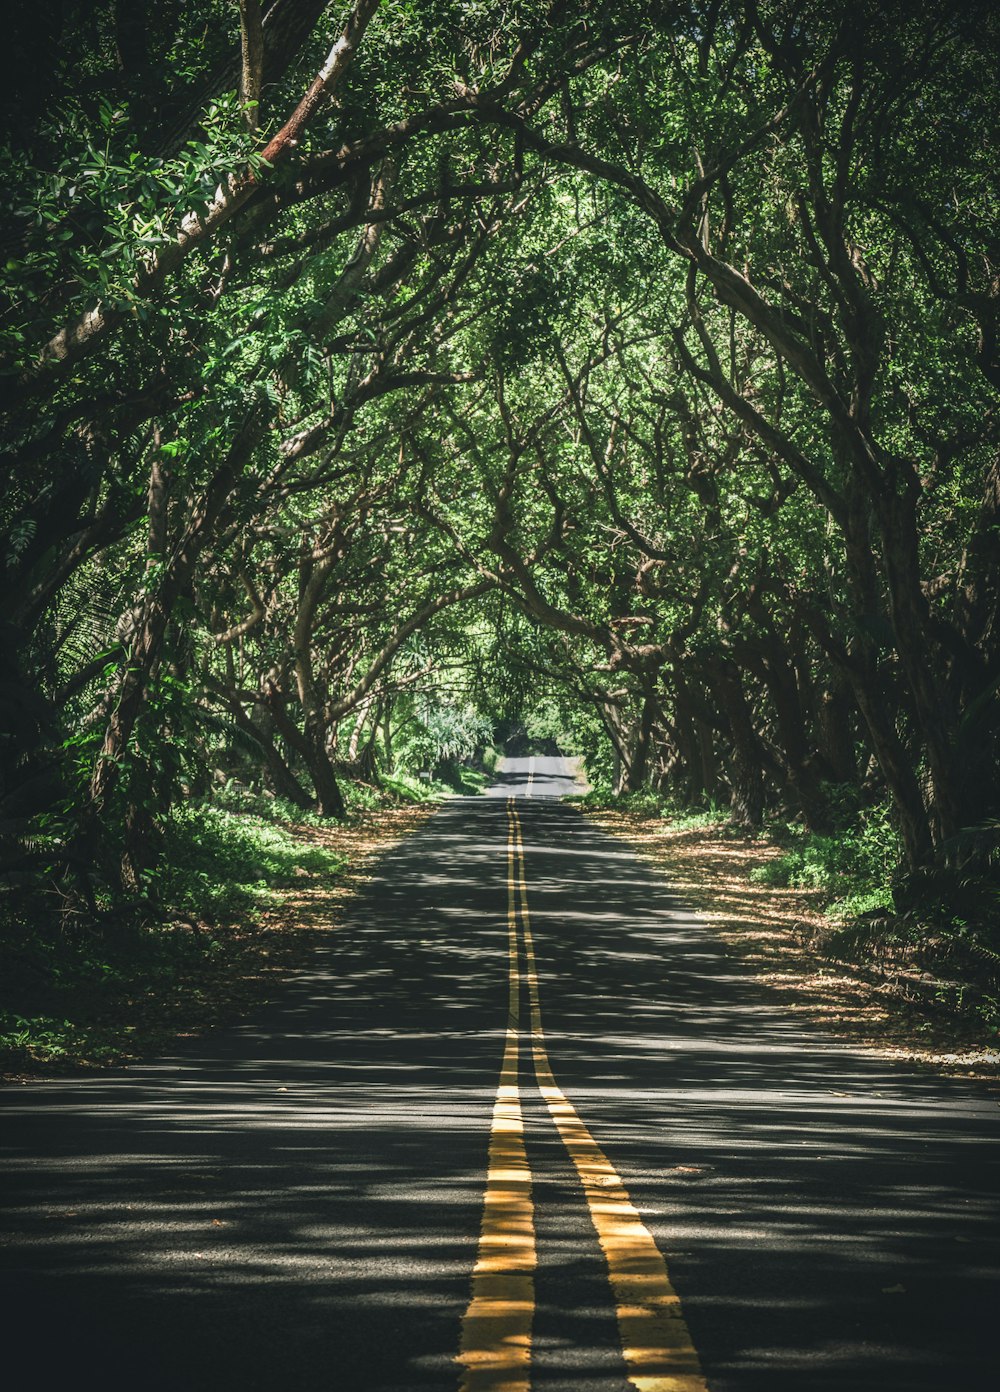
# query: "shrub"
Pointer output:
{"type": "Point", "coordinates": [854, 867]}
{"type": "Point", "coordinates": [102, 989]}
{"type": "Point", "coordinates": [218, 864]}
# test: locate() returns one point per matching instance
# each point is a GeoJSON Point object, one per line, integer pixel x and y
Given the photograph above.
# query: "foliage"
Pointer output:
{"type": "Point", "coordinates": [219, 865]}
{"type": "Point", "coordinates": [438, 730]}
{"type": "Point", "coordinates": [92, 995]}
{"type": "Point", "coordinates": [624, 380]}
{"type": "Point", "coordinates": [855, 866]}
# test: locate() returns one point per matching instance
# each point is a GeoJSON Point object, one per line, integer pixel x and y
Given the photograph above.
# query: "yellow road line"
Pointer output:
{"type": "Point", "coordinates": [659, 1353]}
{"type": "Point", "coordinates": [495, 1349]}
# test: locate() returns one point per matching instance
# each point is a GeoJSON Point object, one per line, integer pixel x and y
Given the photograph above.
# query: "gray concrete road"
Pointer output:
{"type": "Point", "coordinates": [296, 1203]}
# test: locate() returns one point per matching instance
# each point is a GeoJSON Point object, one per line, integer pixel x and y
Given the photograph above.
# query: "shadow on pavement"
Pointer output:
{"type": "Point", "coordinates": [295, 1203]}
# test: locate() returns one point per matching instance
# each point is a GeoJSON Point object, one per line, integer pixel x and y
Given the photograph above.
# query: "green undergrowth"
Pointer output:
{"type": "Point", "coordinates": [77, 991]}
{"type": "Point", "coordinates": [395, 789]}
{"type": "Point", "coordinates": [467, 780]}
{"type": "Point", "coordinates": [83, 990]}
{"type": "Point", "coordinates": [405, 787]}
{"type": "Point", "coordinates": [854, 866]}
{"type": "Point", "coordinates": [391, 790]}
{"type": "Point", "coordinates": [221, 865]}
{"type": "Point", "coordinates": [654, 806]}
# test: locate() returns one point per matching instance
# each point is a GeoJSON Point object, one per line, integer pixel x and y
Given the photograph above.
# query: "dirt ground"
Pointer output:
{"type": "Point", "coordinates": [775, 934]}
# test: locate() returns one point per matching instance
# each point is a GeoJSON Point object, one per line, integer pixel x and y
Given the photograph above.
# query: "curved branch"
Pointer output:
{"type": "Point", "coordinates": [77, 340]}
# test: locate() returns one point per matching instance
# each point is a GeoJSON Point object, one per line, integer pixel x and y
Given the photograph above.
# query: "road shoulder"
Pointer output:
{"type": "Point", "coordinates": [773, 932]}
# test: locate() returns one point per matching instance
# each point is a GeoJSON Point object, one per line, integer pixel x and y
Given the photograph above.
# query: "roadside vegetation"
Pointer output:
{"type": "Point", "coordinates": [917, 975]}
{"type": "Point", "coordinates": [854, 866]}
{"type": "Point", "coordinates": [244, 897]}
{"type": "Point", "coordinates": [382, 379]}
{"type": "Point", "coordinates": [232, 901]}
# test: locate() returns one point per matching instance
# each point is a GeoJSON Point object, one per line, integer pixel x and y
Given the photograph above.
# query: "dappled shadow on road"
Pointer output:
{"type": "Point", "coordinates": [296, 1203]}
{"type": "Point", "coordinates": [535, 776]}
{"type": "Point", "coordinates": [829, 1218]}
{"type": "Point", "coordinates": [885, 1000]}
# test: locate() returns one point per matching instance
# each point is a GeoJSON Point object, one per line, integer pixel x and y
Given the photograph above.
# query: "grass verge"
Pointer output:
{"type": "Point", "coordinates": [241, 899]}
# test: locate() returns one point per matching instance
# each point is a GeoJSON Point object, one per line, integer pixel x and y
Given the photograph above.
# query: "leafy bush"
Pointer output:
{"type": "Point", "coordinates": [358, 797]}
{"type": "Point", "coordinates": [233, 796]}
{"type": "Point", "coordinates": [409, 789]}
{"type": "Point", "coordinates": [696, 819]}
{"type": "Point", "coordinates": [646, 803]}
{"type": "Point", "coordinates": [471, 780]}
{"type": "Point", "coordinates": [437, 729]}
{"type": "Point", "coordinates": [854, 867]}
{"type": "Point", "coordinates": [600, 796]}
{"type": "Point", "coordinates": [219, 864]}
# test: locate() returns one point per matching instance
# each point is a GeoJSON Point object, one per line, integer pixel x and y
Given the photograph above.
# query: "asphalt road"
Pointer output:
{"type": "Point", "coordinates": [298, 1203]}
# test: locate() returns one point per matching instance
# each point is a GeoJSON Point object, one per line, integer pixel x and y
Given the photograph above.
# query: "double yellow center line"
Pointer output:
{"type": "Point", "coordinates": [495, 1351]}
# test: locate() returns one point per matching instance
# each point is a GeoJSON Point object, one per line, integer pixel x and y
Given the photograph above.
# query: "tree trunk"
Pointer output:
{"type": "Point", "coordinates": [329, 799]}
{"type": "Point", "coordinates": [897, 770]}
{"type": "Point", "coordinates": [834, 734]}
{"type": "Point", "coordinates": [387, 734]}
{"type": "Point", "coordinates": [919, 660]}
{"type": "Point", "coordinates": [709, 759]}
{"type": "Point", "coordinates": [280, 776]}
{"type": "Point", "coordinates": [637, 772]}
{"type": "Point", "coordinates": [803, 779]}
{"type": "Point", "coordinates": [158, 603]}
{"type": "Point", "coordinates": [310, 745]}
{"type": "Point", "coordinates": [746, 764]}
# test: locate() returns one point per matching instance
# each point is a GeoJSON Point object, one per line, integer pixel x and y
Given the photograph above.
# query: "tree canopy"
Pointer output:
{"type": "Point", "coordinates": [376, 376]}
